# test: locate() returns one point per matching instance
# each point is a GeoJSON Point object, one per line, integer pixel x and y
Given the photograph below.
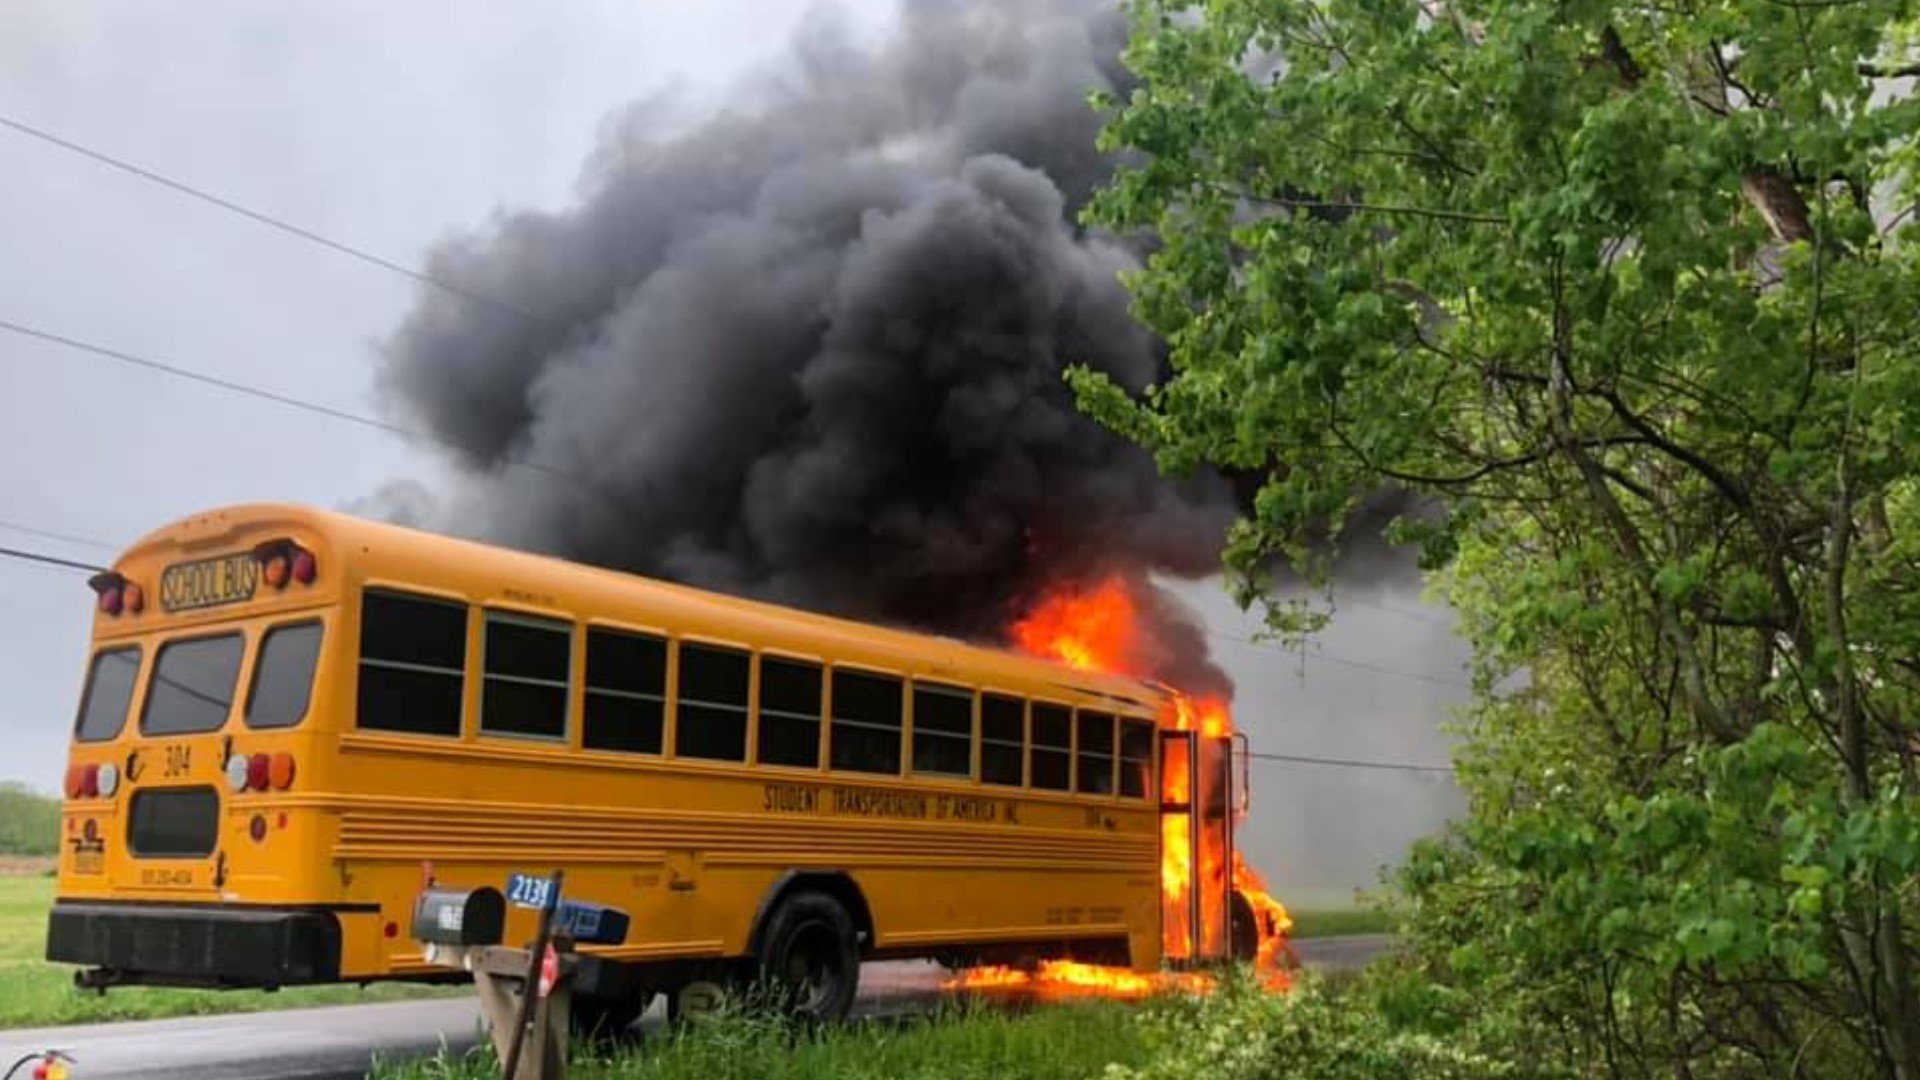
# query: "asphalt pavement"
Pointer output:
{"type": "Point", "coordinates": [339, 1042]}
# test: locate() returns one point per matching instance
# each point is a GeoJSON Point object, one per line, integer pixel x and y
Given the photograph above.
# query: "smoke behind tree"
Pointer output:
{"type": "Point", "coordinates": [810, 349]}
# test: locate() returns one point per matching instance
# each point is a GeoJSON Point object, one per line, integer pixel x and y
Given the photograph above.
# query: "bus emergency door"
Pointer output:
{"type": "Point", "coordinates": [1197, 796]}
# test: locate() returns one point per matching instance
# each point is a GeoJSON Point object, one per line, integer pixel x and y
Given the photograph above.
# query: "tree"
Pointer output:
{"type": "Point", "coordinates": [1632, 293]}
{"type": "Point", "coordinates": [29, 822]}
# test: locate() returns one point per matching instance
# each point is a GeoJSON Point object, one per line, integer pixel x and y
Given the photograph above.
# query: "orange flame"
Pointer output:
{"type": "Point", "coordinates": [1087, 631]}
{"type": "Point", "coordinates": [1097, 629]}
{"type": "Point", "coordinates": [1071, 976]}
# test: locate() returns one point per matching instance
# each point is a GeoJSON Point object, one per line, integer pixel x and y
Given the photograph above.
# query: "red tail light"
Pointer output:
{"type": "Point", "coordinates": [258, 767]}
{"type": "Point", "coordinates": [117, 594]}
{"type": "Point", "coordinates": [283, 562]}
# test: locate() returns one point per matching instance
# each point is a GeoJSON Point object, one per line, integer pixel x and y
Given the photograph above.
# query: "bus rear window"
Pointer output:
{"type": "Point", "coordinates": [192, 686]}
{"type": "Point", "coordinates": [109, 692]}
{"type": "Point", "coordinates": [283, 676]}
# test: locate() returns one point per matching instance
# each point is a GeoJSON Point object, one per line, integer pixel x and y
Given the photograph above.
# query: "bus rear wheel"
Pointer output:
{"type": "Point", "coordinates": [810, 958]}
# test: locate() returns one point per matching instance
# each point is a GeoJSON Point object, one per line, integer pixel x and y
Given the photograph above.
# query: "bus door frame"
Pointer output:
{"type": "Point", "coordinates": [1198, 752]}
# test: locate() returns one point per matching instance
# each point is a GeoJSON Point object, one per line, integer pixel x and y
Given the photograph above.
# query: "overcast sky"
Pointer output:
{"type": "Point", "coordinates": [388, 126]}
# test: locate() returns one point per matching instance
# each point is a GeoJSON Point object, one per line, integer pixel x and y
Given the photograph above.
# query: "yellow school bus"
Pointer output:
{"type": "Point", "coordinates": [293, 721]}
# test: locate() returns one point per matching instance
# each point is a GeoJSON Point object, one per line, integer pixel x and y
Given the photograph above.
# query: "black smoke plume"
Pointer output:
{"type": "Point", "coordinates": [811, 349]}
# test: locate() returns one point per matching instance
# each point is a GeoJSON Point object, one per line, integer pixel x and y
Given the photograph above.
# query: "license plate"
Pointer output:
{"type": "Point", "coordinates": [203, 583]}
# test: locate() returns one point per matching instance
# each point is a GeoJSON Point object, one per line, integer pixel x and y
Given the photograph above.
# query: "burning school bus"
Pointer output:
{"type": "Point", "coordinates": [293, 720]}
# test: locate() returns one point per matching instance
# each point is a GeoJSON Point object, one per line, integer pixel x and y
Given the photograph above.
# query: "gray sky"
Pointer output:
{"type": "Point", "coordinates": [387, 127]}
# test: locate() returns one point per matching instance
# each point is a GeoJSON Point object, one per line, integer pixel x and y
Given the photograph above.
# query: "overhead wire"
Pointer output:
{"type": "Point", "coordinates": [263, 218]}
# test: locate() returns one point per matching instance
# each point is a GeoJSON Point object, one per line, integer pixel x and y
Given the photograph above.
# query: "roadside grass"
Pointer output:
{"type": "Point", "coordinates": [1337, 922]}
{"type": "Point", "coordinates": [1058, 1042]}
{"type": "Point", "coordinates": [34, 993]}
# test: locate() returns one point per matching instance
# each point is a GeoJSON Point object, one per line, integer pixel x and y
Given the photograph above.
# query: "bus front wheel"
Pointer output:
{"type": "Point", "coordinates": [810, 957]}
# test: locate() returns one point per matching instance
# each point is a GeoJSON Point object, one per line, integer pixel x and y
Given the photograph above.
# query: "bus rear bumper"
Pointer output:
{"type": "Point", "coordinates": [135, 944]}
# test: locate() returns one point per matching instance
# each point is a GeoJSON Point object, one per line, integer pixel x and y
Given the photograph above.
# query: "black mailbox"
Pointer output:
{"type": "Point", "coordinates": [460, 916]}
{"type": "Point", "coordinates": [591, 924]}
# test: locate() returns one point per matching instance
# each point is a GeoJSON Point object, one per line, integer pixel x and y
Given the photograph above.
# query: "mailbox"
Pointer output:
{"type": "Point", "coordinates": [460, 916]}
{"type": "Point", "coordinates": [590, 924]}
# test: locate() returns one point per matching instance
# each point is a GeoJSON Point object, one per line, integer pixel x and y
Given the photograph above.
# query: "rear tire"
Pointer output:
{"type": "Point", "coordinates": [810, 958]}
{"type": "Point", "coordinates": [1244, 929]}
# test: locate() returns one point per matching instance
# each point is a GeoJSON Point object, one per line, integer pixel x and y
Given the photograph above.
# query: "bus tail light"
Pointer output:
{"type": "Point", "coordinates": [106, 780]}
{"type": "Point", "coordinates": [83, 781]}
{"type": "Point", "coordinates": [257, 768]}
{"type": "Point", "coordinates": [284, 562]}
{"type": "Point", "coordinates": [237, 769]}
{"type": "Point", "coordinates": [116, 594]}
{"type": "Point", "coordinates": [280, 771]}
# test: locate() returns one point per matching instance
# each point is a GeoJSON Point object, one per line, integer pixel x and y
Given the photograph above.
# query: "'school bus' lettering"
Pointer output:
{"type": "Point", "coordinates": [413, 709]}
{"type": "Point", "coordinates": [226, 579]}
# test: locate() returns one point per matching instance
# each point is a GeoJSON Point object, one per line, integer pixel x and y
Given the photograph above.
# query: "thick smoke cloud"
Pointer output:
{"type": "Point", "coordinates": [811, 349]}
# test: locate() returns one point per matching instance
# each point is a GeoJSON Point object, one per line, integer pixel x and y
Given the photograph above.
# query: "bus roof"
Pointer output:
{"type": "Point", "coordinates": [353, 539]}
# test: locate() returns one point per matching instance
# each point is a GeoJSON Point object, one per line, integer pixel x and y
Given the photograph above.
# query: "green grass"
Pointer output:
{"type": "Point", "coordinates": [1338, 922]}
{"type": "Point", "coordinates": [34, 993]}
{"type": "Point", "coordinates": [1058, 1042]}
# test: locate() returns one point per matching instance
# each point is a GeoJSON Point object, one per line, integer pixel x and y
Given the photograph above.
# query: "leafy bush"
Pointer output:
{"type": "Point", "coordinates": [29, 821]}
{"type": "Point", "coordinates": [1383, 1027]}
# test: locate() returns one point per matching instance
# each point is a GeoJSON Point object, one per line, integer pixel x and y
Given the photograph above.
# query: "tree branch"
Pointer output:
{"type": "Point", "coordinates": [1375, 208]}
{"type": "Point", "coordinates": [1879, 71]}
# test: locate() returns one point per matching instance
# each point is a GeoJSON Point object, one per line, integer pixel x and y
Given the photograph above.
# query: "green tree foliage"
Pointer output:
{"type": "Point", "coordinates": [29, 822]}
{"type": "Point", "coordinates": [1631, 292]}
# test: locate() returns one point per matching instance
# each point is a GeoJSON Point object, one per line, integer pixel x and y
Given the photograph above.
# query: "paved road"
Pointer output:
{"type": "Point", "coordinates": [338, 1042]}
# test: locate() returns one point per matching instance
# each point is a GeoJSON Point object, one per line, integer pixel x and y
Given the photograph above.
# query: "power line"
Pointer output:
{"type": "Point", "coordinates": [49, 534]}
{"type": "Point", "coordinates": [264, 218]}
{"type": "Point", "coordinates": [50, 560]}
{"type": "Point", "coordinates": [205, 379]}
{"type": "Point", "coordinates": [1343, 661]}
{"type": "Point", "coordinates": [1348, 763]}
{"type": "Point", "coordinates": [287, 400]}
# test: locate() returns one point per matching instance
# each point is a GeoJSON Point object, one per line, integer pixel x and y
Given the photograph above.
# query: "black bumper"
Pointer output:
{"type": "Point", "coordinates": [167, 945]}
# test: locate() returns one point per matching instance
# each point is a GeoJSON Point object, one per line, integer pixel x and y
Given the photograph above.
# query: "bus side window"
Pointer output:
{"type": "Point", "coordinates": [1136, 757]}
{"type": "Point", "coordinates": [523, 688]}
{"type": "Point", "coordinates": [413, 663]}
{"type": "Point", "coordinates": [109, 694]}
{"type": "Point", "coordinates": [866, 722]}
{"type": "Point", "coordinates": [1094, 774]}
{"type": "Point", "coordinates": [283, 676]}
{"type": "Point", "coordinates": [1003, 739]}
{"type": "Point", "coordinates": [1050, 758]}
{"type": "Point", "coordinates": [942, 730]}
{"type": "Point", "coordinates": [711, 720]}
{"type": "Point", "coordinates": [626, 699]}
{"type": "Point", "coordinates": [789, 712]}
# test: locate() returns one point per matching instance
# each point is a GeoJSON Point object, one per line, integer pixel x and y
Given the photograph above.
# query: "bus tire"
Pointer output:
{"type": "Point", "coordinates": [1243, 937]}
{"type": "Point", "coordinates": [810, 957]}
{"type": "Point", "coordinates": [604, 1019]}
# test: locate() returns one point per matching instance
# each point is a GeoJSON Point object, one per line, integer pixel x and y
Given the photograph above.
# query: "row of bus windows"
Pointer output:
{"type": "Point", "coordinates": [194, 682]}
{"type": "Point", "coordinates": [412, 677]}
